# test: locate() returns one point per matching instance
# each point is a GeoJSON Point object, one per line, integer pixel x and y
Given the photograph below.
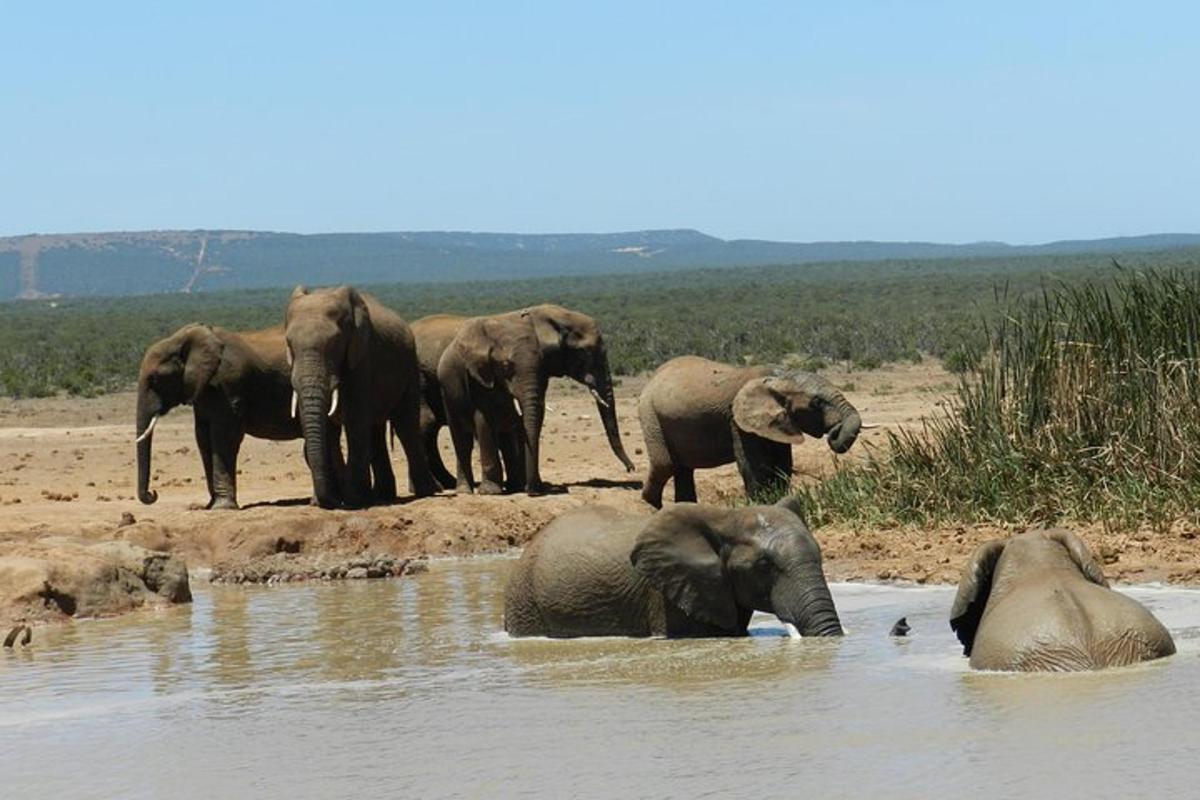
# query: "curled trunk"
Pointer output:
{"type": "Point", "coordinates": [149, 406]}
{"type": "Point", "coordinates": [844, 434]}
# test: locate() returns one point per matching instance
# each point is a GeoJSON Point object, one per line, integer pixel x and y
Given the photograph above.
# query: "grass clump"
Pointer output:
{"type": "Point", "coordinates": [1085, 406]}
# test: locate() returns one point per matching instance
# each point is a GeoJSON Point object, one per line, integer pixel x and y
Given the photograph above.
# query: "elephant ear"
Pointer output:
{"type": "Point", "coordinates": [1080, 554]}
{"type": "Point", "coordinates": [792, 503]}
{"type": "Point", "coordinates": [679, 556]}
{"type": "Point", "coordinates": [360, 317]}
{"type": "Point", "coordinates": [551, 333]}
{"type": "Point", "coordinates": [759, 408]}
{"type": "Point", "coordinates": [973, 589]}
{"type": "Point", "coordinates": [484, 355]}
{"type": "Point", "coordinates": [201, 355]}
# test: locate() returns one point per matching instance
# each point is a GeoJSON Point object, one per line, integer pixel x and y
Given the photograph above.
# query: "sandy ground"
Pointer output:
{"type": "Point", "coordinates": [67, 468]}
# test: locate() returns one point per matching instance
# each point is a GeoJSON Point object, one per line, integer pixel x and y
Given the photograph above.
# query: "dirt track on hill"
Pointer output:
{"type": "Point", "coordinates": [67, 469]}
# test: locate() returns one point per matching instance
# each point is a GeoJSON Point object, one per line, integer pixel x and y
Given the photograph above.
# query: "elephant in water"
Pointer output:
{"type": "Point", "coordinates": [690, 570]}
{"type": "Point", "coordinates": [697, 414]}
{"type": "Point", "coordinates": [1038, 602]}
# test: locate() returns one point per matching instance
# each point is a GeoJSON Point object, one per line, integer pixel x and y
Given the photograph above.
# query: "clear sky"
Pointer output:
{"type": "Point", "coordinates": [954, 121]}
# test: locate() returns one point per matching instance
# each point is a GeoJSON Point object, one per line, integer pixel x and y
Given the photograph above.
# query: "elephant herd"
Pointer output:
{"type": "Point", "coordinates": [343, 364]}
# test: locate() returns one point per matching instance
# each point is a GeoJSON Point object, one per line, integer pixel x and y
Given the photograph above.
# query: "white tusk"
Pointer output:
{"type": "Point", "coordinates": [295, 403]}
{"type": "Point", "coordinates": [149, 430]}
{"type": "Point", "coordinates": [333, 403]}
{"type": "Point", "coordinates": [599, 399]}
{"type": "Point", "coordinates": [870, 426]}
{"type": "Point", "coordinates": [791, 631]}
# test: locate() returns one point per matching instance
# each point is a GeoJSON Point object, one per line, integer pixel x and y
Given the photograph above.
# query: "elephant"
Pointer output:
{"type": "Point", "coordinates": [1039, 602]}
{"type": "Point", "coordinates": [344, 343]}
{"type": "Point", "coordinates": [690, 570]}
{"type": "Point", "coordinates": [697, 413]}
{"type": "Point", "coordinates": [433, 335]}
{"type": "Point", "coordinates": [236, 383]}
{"type": "Point", "coordinates": [495, 360]}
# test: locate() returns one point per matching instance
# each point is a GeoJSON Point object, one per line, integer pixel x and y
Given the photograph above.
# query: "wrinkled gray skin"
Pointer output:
{"type": "Point", "coordinates": [1039, 602]}
{"type": "Point", "coordinates": [433, 335]}
{"type": "Point", "coordinates": [690, 570]}
{"type": "Point", "coordinates": [698, 414]}
{"type": "Point", "coordinates": [236, 384]}
{"type": "Point", "coordinates": [495, 360]}
{"type": "Point", "coordinates": [342, 340]}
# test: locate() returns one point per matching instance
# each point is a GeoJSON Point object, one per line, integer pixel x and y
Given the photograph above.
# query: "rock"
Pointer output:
{"type": "Point", "coordinates": [357, 573]}
{"type": "Point", "coordinates": [127, 519]}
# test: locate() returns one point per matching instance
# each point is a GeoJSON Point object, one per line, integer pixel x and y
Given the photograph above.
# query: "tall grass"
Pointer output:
{"type": "Point", "coordinates": [1085, 406]}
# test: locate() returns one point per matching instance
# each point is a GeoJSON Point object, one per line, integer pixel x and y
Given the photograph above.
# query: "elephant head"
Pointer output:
{"type": "Point", "coordinates": [174, 372]}
{"type": "Point", "coordinates": [1035, 549]}
{"type": "Point", "coordinates": [328, 332]}
{"type": "Point", "coordinates": [786, 404]}
{"type": "Point", "coordinates": [719, 564]}
{"type": "Point", "coordinates": [554, 341]}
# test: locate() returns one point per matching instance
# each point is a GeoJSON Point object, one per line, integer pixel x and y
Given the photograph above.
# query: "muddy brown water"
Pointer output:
{"type": "Point", "coordinates": [407, 688]}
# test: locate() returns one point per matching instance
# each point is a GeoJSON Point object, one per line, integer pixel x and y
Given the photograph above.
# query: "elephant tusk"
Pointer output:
{"type": "Point", "coordinates": [333, 404]}
{"type": "Point", "coordinates": [596, 395]}
{"type": "Point", "coordinates": [870, 426]}
{"type": "Point", "coordinates": [295, 403]}
{"type": "Point", "coordinates": [791, 631]}
{"type": "Point", "coordinates": [149, 430]}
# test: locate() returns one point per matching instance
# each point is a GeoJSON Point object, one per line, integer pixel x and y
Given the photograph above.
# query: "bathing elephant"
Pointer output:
{"type": "Point", "coordinates": [350, 354]}
{"type": "Point", "coordinates": [697, 413]}
{"type": "Point", "coordinates": [1038, 602]}
{"type": "Point", "coordinates": [433, 335]}
{"type": "Point", "coordinates": [236, 384]}
{"type": "Point", "coordinates": [495, 360]}
{"type": "Point", "coordinates": [690, 570]}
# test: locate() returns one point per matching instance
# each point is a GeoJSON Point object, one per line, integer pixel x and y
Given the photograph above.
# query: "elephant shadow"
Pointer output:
{"type": "Point", "coordinates": [604, 483]}
{"type": "Point", "coordinates": [286, 502]}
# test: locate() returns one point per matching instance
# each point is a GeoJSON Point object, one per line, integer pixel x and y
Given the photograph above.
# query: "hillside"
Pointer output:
{"type": "Point", "coordinates": [132, 263]}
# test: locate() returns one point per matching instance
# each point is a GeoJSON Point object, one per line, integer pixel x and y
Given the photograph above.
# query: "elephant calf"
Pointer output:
{"type": "Point", "coordinates": [1038, 602]}
{"type": "Point", "coordinates": [697, 413]}
{"type": "Point", "coordinates": [688, 571]}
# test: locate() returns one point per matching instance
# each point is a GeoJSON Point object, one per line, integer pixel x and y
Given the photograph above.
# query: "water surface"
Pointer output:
{"type": "Point", "coordinates": [407, 688]}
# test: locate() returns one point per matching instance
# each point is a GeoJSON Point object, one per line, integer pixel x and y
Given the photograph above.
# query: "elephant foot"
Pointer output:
{"type": "Point", "coordinates": [490, 487]}
{"type": "Point", "coordinates": [223, 504]}
{"type": "Point", "coordinates": [463, 487]}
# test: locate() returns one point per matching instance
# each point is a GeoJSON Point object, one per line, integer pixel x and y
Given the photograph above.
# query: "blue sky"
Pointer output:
{"type": "Point", "coordinates": [796, 121]}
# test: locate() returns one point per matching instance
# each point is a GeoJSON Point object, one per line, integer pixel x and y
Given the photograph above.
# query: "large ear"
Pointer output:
{"type": "Point", "coordinates": [792, 503]}
{"type": "Point", "coordinates": [201, 354]}
{"type": "Point", "coordinates": [761, 410]}
{"type": "Point", "coordinates": [1080, 554]}
{"type": "Point", "coordinates": [679, 554]}
{"type": "Point", "coordinates": [482, 353]}
{"type": "Point", "coordinates": [360, 340]}
{"type": "Point", "coordinates": [973, 589]}
{"type": "Point", "coordinates": [551, 332]}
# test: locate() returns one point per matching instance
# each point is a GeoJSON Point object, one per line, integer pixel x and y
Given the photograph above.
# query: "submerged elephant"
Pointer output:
{"type": "Point", "coordinates": [236, 384]}
{"type": "Point", "coordinates": [353, 355]}
{"type": "Point", "coordinates": [495, 360]}
{"type": "Point", "coordinates": [690, 570]}
{"type": "Point", "coordinates": [433, 335]}
{"type": "Point", "coordinates": [1039, 602]}
{"type": "Point", "coordinates": [697, 414]}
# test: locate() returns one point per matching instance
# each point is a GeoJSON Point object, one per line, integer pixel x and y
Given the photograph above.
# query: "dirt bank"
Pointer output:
{"type": "Point", "coordinates": [67, 470]}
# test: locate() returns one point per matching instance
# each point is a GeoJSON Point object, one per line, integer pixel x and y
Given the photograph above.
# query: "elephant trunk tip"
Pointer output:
{"type": "Point", "coordinates": [148, 497]}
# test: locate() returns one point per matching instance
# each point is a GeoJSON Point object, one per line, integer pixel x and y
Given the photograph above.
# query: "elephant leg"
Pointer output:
{"type": "Point", "coordinates": [487, 432]}
{"type": "Point", "coordinates": [204, 445]}
{"type": "Point", "coordinates": [462, 435]}
{"type": "Point", "coordinates": [226, 442]}
{"type": "Point", "coordinates": [430, 425]}
{"type": "Point", "coordinates": [656, 480]}
{"type": "Point", "coordinates": [512, 450]}
{"type": "Point", "coordinates": [765, 466]}
{"type": "Point", "coordinates": [337, 463]}
{"type": "Point", "coordinates": [685, 485]}
{"type": "Point", "coordinates": [407, 425]}
{"type": "Point", "coordinates": [383, 488]}
{"type": "Point", "coordinates": [357, 493]}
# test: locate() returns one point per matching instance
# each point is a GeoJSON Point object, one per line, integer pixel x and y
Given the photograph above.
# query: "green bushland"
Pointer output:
{"type": "Point", "coordinates": [1084, 406]}
{"type": "Point", "coordinates": [863, 313]}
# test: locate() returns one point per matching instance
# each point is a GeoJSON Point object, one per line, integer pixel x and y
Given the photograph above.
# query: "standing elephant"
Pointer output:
{"type": "Point", "coordinates": [1038, 602]}
{"type": "Point", "coordinates": [690, 570]}
{"type": "Point", "coordinates": [236, 383]}
{"type": "Point", "coordinates": [433, 335]}
{"type": "Point", "coordinates": [495, 360]}
{"type": "Point", "coordinates": [697, 413]}
{"type": "Point", "coordinates": [344, 344]}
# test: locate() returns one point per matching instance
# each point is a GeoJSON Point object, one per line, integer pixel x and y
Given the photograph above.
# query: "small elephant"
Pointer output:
{"type": "Point", "coordinates": [690, 570]}
{"type": "Point", "coordinates": [495, 360]}
{"type": "Point", "coordinates": [433, 335]}
{"type": "Point", "coordinates": [342, 343]}
{"type": "Point", "coordinates": [236, 384]}
{"type": "Point", "coordinates": [697, 414]}
{"type": "Point", "coordinates": [1038, 602]}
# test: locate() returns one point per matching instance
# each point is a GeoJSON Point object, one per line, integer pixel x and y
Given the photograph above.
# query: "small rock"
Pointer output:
{"type": "Point", "coordinates": [356, 573]}
{"type": "Point", "coordinates": [127, 519]}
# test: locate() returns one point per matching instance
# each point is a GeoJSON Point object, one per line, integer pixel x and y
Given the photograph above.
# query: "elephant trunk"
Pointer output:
{"type": "Point", "coordinates": [532, 402]}
{"type": "Point", "coordinates": [149, 408]}
{"type": "Point", "coordinates": [843, 434]}
{"type": "Point", "coordinates": [313, 398]}
{"type": "Point", "coordinates": [807, 604]}
{"type": "Point", "coordinates": [602, 389]}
